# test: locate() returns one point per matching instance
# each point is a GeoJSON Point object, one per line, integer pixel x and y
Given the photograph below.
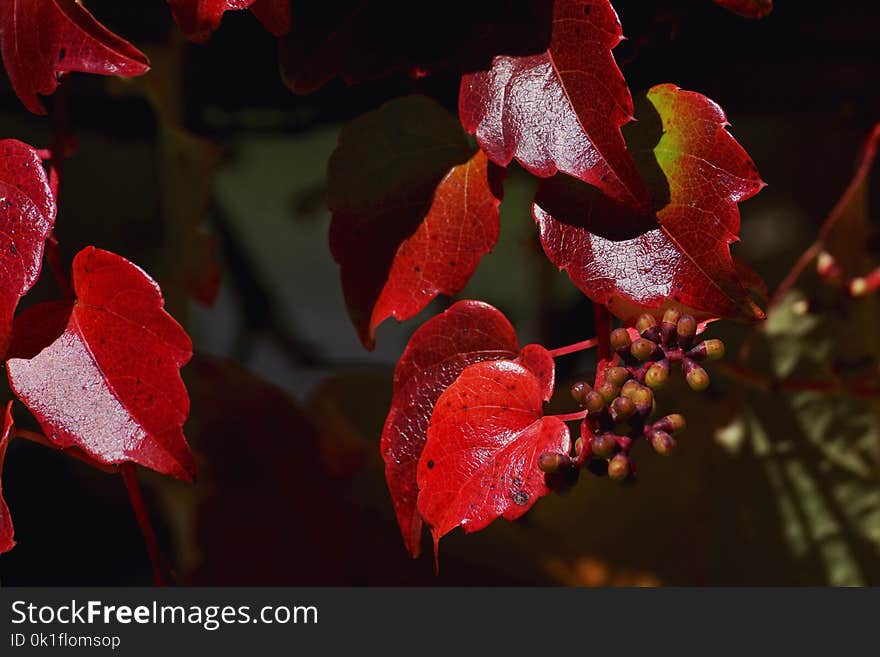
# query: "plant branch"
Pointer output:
{"type": "Point", "coordinates": [573, 348]}
{"type": "Point", "coordinates": [571, 417]}
{"type": "Point", "coordinates": [839, 209]}
{"type": "Point", "coordinates": [770, 383]}
{"type": "Point", "coordinates": [129, 476]}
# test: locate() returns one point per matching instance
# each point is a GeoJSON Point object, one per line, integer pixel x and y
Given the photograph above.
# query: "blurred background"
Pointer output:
{"type": "Point", "coordinates": [287, 407]}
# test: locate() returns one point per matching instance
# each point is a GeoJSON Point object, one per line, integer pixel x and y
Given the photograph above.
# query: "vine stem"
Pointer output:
{"type": "Point", "coordinates": [839, 209]}
{"type": "Point", "coordinates": [573, 348]}
{"type": "Point", "coordinates": [129, 477]}
{"type": "Point", "coordinates": [572, 417]}
{"type": "Point", "coordinates": [770, 383]}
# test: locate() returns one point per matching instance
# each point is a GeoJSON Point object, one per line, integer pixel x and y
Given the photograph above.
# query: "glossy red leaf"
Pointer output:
{"type": "Point", "coordinates": [110, 384]}
{"type": "Point", "coordinates": [468, 332]}
{"type": "Point", "coordinates": [27, 215]}
{"type": "Point", "coordinates": [748, 8]}
{"type": "Point", "coordinates": [486, 435]}
{"type": "Point", "coordinates": [42, 39]}
{"type": "Point", "coordinates": [686, 259]}
{"type": "Point", "coordinates": [561, 110]}
{"type": "Point", "coordinates": [197, 19]}
{"type": "Point", "coordinates": [382, 181]}
{"type": "Point", "coordinates": [7, 532]}
{"type": "Point", "coordinates": [461, 226]}
{"type": "Point", "coordinates": [360, 41]}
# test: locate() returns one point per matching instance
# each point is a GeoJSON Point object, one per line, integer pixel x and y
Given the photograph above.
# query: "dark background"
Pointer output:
{"type": "Point", "coordinates": [287, 407]}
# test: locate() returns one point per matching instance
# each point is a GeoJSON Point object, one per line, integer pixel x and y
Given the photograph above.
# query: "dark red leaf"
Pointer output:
{"type": "Point", "coordinates": [361, 41]}
{"type": "Point", "coordinates": [110, 384]}
{"type": "Point", "coordinates": [7, 532]}
{"type": "Point", "coordinates": [560, 110]}
{"type": "Point", "coordinates": [41, 39]}
{"type": "Point", "coordinates": [468, 332]}
{"type": "Point", "coordinates": [197, 19]}
{"type": "Point", "coordinates": [686, 259]}
{"type": "Point", "coordinates": [37, 327]}
{"type": "Point", "coordinates": [27, 215]}
{"type": "Point", "coordinates": [460, 227]}
{"type": "Point", "coordinates": [748, 8]}
{"type": "Point", "coordinates": [486, 434]}
{"type": "Point", "coordinates": [382, 180]}
{"type": "Point", "coordinates": [538, 360]}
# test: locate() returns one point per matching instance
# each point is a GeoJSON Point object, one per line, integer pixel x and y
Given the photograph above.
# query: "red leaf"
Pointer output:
{"type": "Point", "coordinates": [197, 19]}
{"type": "Point", "coordinates": [27, 214]}
{"type": "Point", "coordinates": [42, 39]}
{"type": "Point", "coordinates": [7, 532]}
{"type": "Point", "coordinates": [468, 332]}
{"type": "Point", "coordinates": [382, 180]}
{"type": "Point", "coordinates": [37, 327]}
{"type": "Point", "coordinates": [360, 41]}
{"type": "Point", "coordinates": [748, 8]}
{"type": "Point", "coordinates": [560, 110]}
{"type": "Point", "coordinates": [484, 440]}
{"type": "Point", "coordinates": [441, 256]}
{"type": "Point", "coordinates": [686, 259]}
{"type": "Point", "coordinates": [110, 384]}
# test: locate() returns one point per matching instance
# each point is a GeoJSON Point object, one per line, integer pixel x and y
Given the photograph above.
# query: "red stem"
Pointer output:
{"type": "Point", "coordinates": [839, 209]}
{"type": "Point", "coordinates": [573, 348]}
{"type": "Point", "coordinates": [129, 476]}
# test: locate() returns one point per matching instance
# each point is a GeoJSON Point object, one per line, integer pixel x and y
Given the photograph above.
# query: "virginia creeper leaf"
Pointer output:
{"type": "Point", "coordinates": [360, 41]}
{"type": "Point", "coordinates": [110, 384]}
{"type": "Point", "coordinates": [27, 214]}
{"type": "Point", "coordinates": [468, 332]}
{"type": "Point", "coordinates": [460, 227]}
{"type": "Point", "coordinates": [197, 19]}
{"type": "Point", "coordinates": [686, 259]}
{"type": "Point", "coordinates": [486, 434]}
{"type": "Point", "coordinates": [748, 8]}
{"type": "Point", "coordinates": [7, 532]}
{"type": "Point", "coordinates": [382, 179]}
{"type": "Point", "coordinates": [42, 39]}
{"type": "Point", "coordinates": [560, 110]}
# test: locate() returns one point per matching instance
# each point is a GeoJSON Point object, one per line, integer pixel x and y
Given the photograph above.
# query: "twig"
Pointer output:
{"type": "Point", "coordinates": [573, 348]}
{"type": "Point", "coordinates": [129, 476]}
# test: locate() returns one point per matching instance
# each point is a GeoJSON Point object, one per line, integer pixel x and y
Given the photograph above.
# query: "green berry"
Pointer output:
{"type": "Point", "coordinates": [670, 423]}
{"type": "Point", "coordinates": [695, 375]}
{"type": "Point", "coordinates": [579, 391]}
{"type": "Point", "coordinates": [618, 467]}
{"type": "Point", "coordinates": [620, 340]}
{"type": "Point", "coordinates": [662, 442]}
{"type": "Point", "coordinates": [594, 402]}
{"type": "Point", "coordinates": [551, 462]}
{"type": "Point", "coordinates": [629, 388]}
{"type": "Point", "coordinates": [604, 445]}
{"type": "Point", "coordinates": [657, 374]}
{"type": "Point", "coordinates": [622, 408]}
{"type": "Point", "coordinates": [617, 375]}
{"type": "Point", "coordinates": [686, 329]}
{"type": "Point", "coordinates": [609, 391]}
{"type": "Point", "coordinates": [643, 349]}
{"type": "Point", "coordinates": [645, 323]}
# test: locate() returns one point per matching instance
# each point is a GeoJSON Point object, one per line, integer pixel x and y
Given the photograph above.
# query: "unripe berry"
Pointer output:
{"type": "Point", "coordinates": [711, 349]}
{"type": "Point", "coordinates": [609, 391]}
{"type": "Point", "coordinates": [643, 398]}
{"type": "Point", "coordinates": [686, 329]}
{"type": "Point", "coordinates": [604, 445]}
{"type": "Point", "coordinates": [579, 391]}
{"type": "Point", "coordinates": [645, 323]}
{"type": "Point", "coordinates": [668, 325]}
{"type": "Point", "coordinates": [594, 402]}
{"type": "Point", "coordinates": [620, 340]}
{"type": "Point", "coordinates": [657, 374]}
{"type": "Point", "coordinates": [618, 467]}
{"type": "Point", "coordinates": [617, 375]}
{"type": "Point", "coordinates": [629, 388]}
{"type": "Point", "coordinates": [643, 349]}
{"type": "Point", "coordinates": [551, 462]}
{"type": "Point", "coordinates": [858, 287]}
{"type": "Point", "coordinates": [622, 408]}
{"type": "Point", "coordinates": [662, 442]}
{"type": "Point", "coordinates": [695, 375]}
{"type": "Point", "coordinates": [671, 423]}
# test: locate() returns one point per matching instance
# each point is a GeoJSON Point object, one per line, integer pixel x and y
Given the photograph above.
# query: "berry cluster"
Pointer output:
{"type": "Point", "coordinates": [619, 408]}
